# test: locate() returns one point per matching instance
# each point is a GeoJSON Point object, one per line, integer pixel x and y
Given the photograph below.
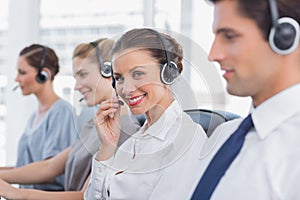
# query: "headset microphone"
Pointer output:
{"type": "Point", "coordinates": [15, 88]}
{"type": "Point", "coordinates": [113, 84]}
{"type": "Point", "coordinates": [81, 99]}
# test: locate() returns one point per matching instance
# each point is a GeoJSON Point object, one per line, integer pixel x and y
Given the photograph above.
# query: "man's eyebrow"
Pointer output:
{"type": "Point", "coordinates": [223, 30]}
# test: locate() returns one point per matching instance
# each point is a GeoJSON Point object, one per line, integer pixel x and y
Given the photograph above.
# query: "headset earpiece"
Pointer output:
{"type": "Point", "coordinates": [105, 67]}
{"type": "Point", "coordinates": [169, 72]}
{"type": "Point", "coordinates": [42, 76]}
{"type": "Point", "coordinates": [106, 70]}
{"type": "Point", "coordinates": [285, 34]}
{"type": "Point", "coordinates": [284, 38]}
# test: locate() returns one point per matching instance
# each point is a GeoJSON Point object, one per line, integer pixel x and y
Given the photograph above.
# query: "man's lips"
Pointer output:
{"type": "Point", "coordinates": [227, 72]}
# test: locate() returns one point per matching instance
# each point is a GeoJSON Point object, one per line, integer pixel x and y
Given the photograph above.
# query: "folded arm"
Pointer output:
{"type": "Point", "coordinates": [38, 172]}
{"type": "Point", "coordinates": [9, 192]}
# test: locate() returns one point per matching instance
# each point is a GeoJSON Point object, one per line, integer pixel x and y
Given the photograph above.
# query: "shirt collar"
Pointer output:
{"type": "Point", "coordinates": [160, 128]}
{"type": "Point", "coordinates": [274, 111]}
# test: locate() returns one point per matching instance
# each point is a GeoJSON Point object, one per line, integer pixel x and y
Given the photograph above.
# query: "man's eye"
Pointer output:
{"type": "Point", "coordinates": [230, 36]}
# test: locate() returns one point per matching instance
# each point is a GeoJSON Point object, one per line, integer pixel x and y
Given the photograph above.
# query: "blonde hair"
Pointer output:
{"type": "Point", "coordinates": [87, 50]}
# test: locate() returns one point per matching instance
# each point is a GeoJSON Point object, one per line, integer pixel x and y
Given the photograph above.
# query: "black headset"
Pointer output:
{"type": "Point", "coordinates": [42, 76]}
{"type": "Point", "coordinates": [169, 71]}
{"type": "Point", "coordinates": [105, 67]}
{"type": "Point", "coordinates": [284, 35]}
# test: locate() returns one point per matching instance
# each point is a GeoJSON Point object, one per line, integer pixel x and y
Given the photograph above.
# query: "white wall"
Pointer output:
{"type": "Point", "coordinates": [203, 35]}
{"type": "Point", "coordinates": [23, 29]}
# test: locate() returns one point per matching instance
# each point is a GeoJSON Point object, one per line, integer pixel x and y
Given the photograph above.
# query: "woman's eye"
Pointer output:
{"type": "Point", "coordinates": [83, 75]}
{"type": "Point", "coordinates": [119, 79]}
{"type": "Point", "coordinates": [22, 72]}
{"type": "Point", "coordinates": [137, 74]}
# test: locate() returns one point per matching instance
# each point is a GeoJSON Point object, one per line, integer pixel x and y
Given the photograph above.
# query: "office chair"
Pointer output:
{"type": "Point", "coordinates": [210, 119]}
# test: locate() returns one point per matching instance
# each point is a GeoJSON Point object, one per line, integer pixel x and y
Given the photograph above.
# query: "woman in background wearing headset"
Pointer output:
{"type": "Point", "coordinates": [157, 162]}
{"type": "Point", "coordinates": [53, 126]}
{"type": "Point", "coordinates": [75, 161]}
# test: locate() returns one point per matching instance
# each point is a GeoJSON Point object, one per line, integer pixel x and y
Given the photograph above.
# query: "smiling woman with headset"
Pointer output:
{"type": "Point", "coordinates": [53, 126]}
{"type": "Point", "coordinates": [145, 64]}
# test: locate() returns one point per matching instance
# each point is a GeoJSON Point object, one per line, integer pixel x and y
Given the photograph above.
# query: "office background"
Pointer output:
{"type": "Point", "coordinates": [62, 24]}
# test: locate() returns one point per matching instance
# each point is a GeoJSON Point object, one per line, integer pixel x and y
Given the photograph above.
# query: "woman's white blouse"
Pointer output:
{"type": "Point", "coordinates": [157, 162]}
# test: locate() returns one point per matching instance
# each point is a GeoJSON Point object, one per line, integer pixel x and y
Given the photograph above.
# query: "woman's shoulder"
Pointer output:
{"type": "Point", "coordinates": [61, 108]}
{"type": "Point", "coordinates": [189, 124]}
{"type": "Point", "coordinates": [62, 104]}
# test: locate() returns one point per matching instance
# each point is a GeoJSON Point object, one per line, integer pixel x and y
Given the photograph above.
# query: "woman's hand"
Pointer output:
{"type": "Point", "coordinates": [9, 192]}
{"type": "Point", "coordinates": [107, 122]}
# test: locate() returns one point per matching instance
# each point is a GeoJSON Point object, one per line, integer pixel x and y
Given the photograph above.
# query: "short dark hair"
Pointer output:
{"type": "Point", "coordinates": [259, 11]}
{"type": "Point", "coordinates": [34, 53]}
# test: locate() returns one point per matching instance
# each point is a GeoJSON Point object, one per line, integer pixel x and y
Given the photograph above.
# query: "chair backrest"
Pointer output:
{"type": "Point", "coordinates": [140, 119]}
{"type": "Point", "coordinates": [210, 119]}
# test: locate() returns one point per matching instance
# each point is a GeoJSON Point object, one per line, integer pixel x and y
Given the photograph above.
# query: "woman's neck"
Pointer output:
{"type": "Point", "coordinates": [46, 99]}
{"type": "Point", "coordinates": [156, 111]}
{"type": "Point", "coordinates": [45, 104]}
